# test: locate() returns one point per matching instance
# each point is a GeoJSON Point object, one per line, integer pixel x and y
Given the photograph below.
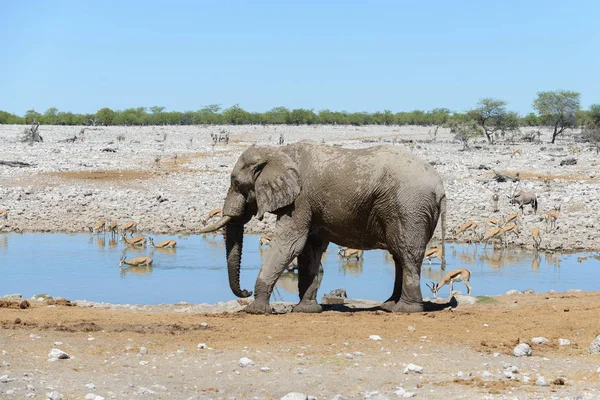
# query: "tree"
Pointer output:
{"type": "Point", "coordinates": [51, 116]}
{"type": "Point", "coordinates": [557, 109]}
{"type": "Point", "coordinates": [464, 129]}
{"type": "Point", "coordinates": [491, 115]}
{"type": "Point", "coordinates": [530, 120]}
{"type": "Point", "coordinates": [106, 116]}
{"type": "Point", "coordinates": [31, 115]}
{"type": "Point", "coordinates": [594, 114]}
{"type": "Point", "coordinates": [236, 115]}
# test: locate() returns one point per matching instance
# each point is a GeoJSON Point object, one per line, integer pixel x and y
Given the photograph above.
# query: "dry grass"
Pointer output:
{"type": "Point", "coordinates": [535, 176]}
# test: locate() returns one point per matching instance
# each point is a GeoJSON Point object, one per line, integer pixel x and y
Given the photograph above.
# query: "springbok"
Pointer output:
{"type": "Point", "coordinates": [165, 244]}
{"type": "Point", "coordinates": [469, 225]}
{"type": "Point", "coordinates": [113, 228]}
{"type": "Point", "coordinates": [4, 214]}
{"type": "Point", "coordinates": [495, 199]}
{"type": "Point", "coordinates": [264, 240]}
{"type": "Point", "coordinates": [130, 227]}
{"type": "Point", "coordinates": [537, 238]}
{"type": "Point", "coordinates": [514, 228]}
{"type": "Point", "coordinates": [137, 261]}
{"type": "Point", "coordinates": [99, 227]}
{"type": "Point", "coordinates": [492, 233]}
{"type": "Point", "coordinates": [494, 222]}
{"type": "Point", "coordinates": [435, 252]}
{"type": "Point", "coordinates": [456, 275]}
{"type": "Point", "coordinates": [137, 241]}
{"type": "Point", "coordinates": [551, 217]}
{"type": "Point", "coordinates": [212, 213]}
{"type": "Point", "coordinates": [348, 253]}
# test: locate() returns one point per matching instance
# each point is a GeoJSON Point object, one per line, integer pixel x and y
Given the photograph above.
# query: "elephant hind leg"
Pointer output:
{"type": "Point", "coordinates": [309, 262]}
{"type": "Point", "coordinates": [390, 303]}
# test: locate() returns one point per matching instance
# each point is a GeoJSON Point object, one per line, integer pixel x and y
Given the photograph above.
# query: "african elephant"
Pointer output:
{"type": "Point", "coordinates": [394, 204]}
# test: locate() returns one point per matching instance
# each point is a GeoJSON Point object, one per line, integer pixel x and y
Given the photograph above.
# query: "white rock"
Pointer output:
{"type": "Point", "coordinates": [245, 362]}
{"type": "Point", "coordinates": [460, 374]}
{"type": "Point", "coordinates": [411, 328]}
{"type": "Point", "coordinates": [541, 381]}
{"type": "Point", "coordinates": [143, 351]}
{"type": "Point", "coordinates": [413, 368]}
{"type": "Point", "coordinates": [142, 390]}
{"type": "Point", "coordinates": [10, 392]}
{"type": "Point", "coordinates": [399, 391]}
{"type": "Point", "coordinates": [487, 374]}
{"type": "Point", "coordinates": [201, 346]}
{"type": "Point", "coordinates": [539, 340]}
{"type": "Point", "coordinates": [375, 337]}
{"type": "Point", "coordinates": [143, 362]}
{"type": "Point", "coordinates": [90, 386]}
{"type": "Point", "coordinates": [564, 342]}
{"type": "Point", "coordinates": [496, 354]}
{"type": "Point", "coordinates": [595, 346]}
{"type": "Point", "coordinates": [203, 325]}
{"type": "Point", "coordinates": [522, 350]}
{"type": "Point", "coordinates": [265, 369]}
{"type": "Point", "coordinates": [295, 396]}
{"type": "Point", "coordinates": [598, 370]}
{"type": "Point", "coordinates": [92, 396]}
{"type": "Point", "coordinates": [58, 354]}
{"type": "Point", "coordinates": [53, 396]}
{"type": "Point", "coordinates": [511, 292]}
{"type": "Point", "coordinates": [6, 379]}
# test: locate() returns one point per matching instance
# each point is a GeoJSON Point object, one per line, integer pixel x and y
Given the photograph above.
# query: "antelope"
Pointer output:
{"type": "Point", "coordinates": [348, 253]}
{"type": "Point", "coordinates": [264, 240]}
{"type": "Point", "coordinates": [138, 241]}
{"type": "Point", "coordinates": [99, 226]}
{"type": "Point", "coordinates": [494, 222]}
{"type": "Point", "coordinates": [212, 213]}
{"type": "Point", "coordinates": [524, 198]}
{"type": "Point", "coordinates": [113, 228]}
{"type": "Point", "coordinates": [456, 275]}
{"type": "Point", "coordinates": [435, 252]}
{"type": "Point", "coordinates": [537, 239]}
{"type": "Point", "coordinates": [130, 227]}
{"type": "Point", "coordinates": [574, 149]}
{"type": "Point", "coordinates": [472, 225]}
{"type": "Point", "coordinates": [495, 199]}
{"type": "Point", "coordinates": [510, 228]}
{"type": "Point", "coordinates": [512, 218]}
{"type": "Point", "coordinates": [518, 151]}
{"type": "Point", "coordinates": [551, 217]}
{"type": "Point", "coordinates": [165, 244]}
{"type": "Point", "coordinates": [137, 261]}
{"type": "Point", "coordinates": [4, 213]}
{"type": "Point", "coordinates": [492, 233]}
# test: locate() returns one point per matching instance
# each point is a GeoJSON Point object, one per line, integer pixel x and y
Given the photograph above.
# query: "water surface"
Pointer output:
{"type": "Point", "coordinates": [84, 266]}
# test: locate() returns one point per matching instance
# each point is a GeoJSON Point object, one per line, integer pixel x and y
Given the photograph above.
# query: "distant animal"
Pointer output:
{"type": "Point", "coordinates": [137, 261]}
{"type": "Point", "coordinates": [512, 218]}
{"type": "Point", "coordinates": [495, 199]}
{"type": "Point", "coordinates": [264, 240]}
{"type": "Point", "coordinates": [469, 225]}
{"type": "Point", "coordinates": [137, 241]}
{"type": "Point", "coordinates": [348, 253]}
{"type": "Point", "coordinates": [494, 222]}
{"type": "Point", "coordinates": [537, 238]}
{"type": "Point", "coordinates": [551, 217]}
{"type": "Point", "coordinates": [456, 275]}
{"type": "Point", "coordinates": [130, 227]}
{"type": "Point", "coordinates": [4, 214]}
{"type": "Point", "coordinates": [492, 233]}
{"type": "Point", "coordinates": [165, 244]}
{"type": "Point", "coordinates": [99, 227]}
{"type": "Point", "coordinates": [211, 214]}
{"type": "Point", "coordinates": [518, 151]}
{"type": "Point", "coordinates": [435, 252]}
{"type": "Point", "coordinates": [113, 228]}
{"type": "Point", "coordinates": [523, 198]}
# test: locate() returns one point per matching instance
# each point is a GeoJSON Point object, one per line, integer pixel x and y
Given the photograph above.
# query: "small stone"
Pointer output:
{"type": "Point", "coordinates": [522, 350]}
{"type": "Point", "coordinates": [143, 351]}
{"type": "Point", "coordinates": [57, 354]}
{"type": "Point", "coordinates": [541, 381]}
{"type": "Point", "coordinates": [413, 368]}
{"type": "Point", "coordinates": [598, 370]}
{"type": "Point", "coordinates": [203, 325]}
{"type": "Point", "coordinates": [90, 386]}
{"type": "Point", "coordinates": [53, 396]}
{"type": "Point", "coordinates": [399, 391]}
{"type": "Point", "coordinates": [359, 353]}
{"type": "Point", "coordinates": [375, 337]}
{"type": "Point", "coordinates": [496, 354]}
{"type": "Point", "coordinates": [460, 374]}
{"type": "Point", "coordinates": [487, 374]}
{"type": "Point", "coordinates": [511, 292]}
{"type": "Point", "coordinates": [539, 340]}
{"type": "Point", "coordinates": [143, 362]}
{"type": "Point", "coordinates": [245, 362]}
{"type": "Point", "coordinates": [560, 381]}
{"type": "Point", "coordinates": [564, 342]}
{"type": "Point", "coordinates": [295, 396]}
{"type": "Point", "coordinates": [412, 329]}
{"type": "Point", "coordinates": [338, 397]}
{"type": "Point", "coordinates": [595, 346]}
{"type": "Point", "coordinates": [349, 356]}
{"type": "Point", "coordinates": [6, 379]}
{"type": "Point", "coordinates": [265, 369]}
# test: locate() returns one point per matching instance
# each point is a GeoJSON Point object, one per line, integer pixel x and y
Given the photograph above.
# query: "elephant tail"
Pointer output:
{"type": "Point", "coordinates": [443, 216]}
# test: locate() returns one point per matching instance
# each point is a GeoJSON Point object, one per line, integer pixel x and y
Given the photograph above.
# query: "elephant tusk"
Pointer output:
{"type": "Point", "coordinates": [217, 225]}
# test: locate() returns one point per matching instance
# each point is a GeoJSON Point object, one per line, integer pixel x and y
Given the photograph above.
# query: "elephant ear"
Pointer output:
{"type": "Point", "coordinates": [278, 183]}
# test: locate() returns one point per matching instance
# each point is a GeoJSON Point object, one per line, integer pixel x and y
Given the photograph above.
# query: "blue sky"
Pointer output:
{"type": "Point", "coordinates": [81, 56]}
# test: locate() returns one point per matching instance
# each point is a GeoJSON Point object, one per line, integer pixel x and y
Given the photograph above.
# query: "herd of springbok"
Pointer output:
{"type": "Point", "coordinates": [139, 241]}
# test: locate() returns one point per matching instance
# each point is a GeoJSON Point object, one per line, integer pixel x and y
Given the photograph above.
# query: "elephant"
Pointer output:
{"type": "Point", "coordinates": [394, 204]}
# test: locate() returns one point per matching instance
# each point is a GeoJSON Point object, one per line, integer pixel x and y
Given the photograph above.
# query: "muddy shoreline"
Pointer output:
{"type": "Point", "coordinates": [167, 179]}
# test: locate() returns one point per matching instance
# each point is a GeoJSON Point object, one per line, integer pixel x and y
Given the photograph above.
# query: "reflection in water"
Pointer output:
{"type": "Point", "coordinates": [113, 242]}
{"type": "Point", "coordinates": [197, 272]}
{"type": "Point", "coordinates": [135, 270]}
{"type": "Point", "coordinates": [168, 250]}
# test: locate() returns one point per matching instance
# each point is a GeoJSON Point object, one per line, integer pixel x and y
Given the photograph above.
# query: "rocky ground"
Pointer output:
{"type": "Point", "coordinates": [168, 178]}
{"type": "Point", "coordinates": [185, 351]}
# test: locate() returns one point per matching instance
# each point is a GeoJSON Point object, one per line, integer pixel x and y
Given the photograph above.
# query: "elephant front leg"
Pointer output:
{"type": "Point", "coordinates": [287, 244]}
{"type": "Point", "coordinates": [309, 263]}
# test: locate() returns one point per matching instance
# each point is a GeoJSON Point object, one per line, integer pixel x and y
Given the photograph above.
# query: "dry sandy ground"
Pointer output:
{"type": "Point", "coordinates": [464, 353]}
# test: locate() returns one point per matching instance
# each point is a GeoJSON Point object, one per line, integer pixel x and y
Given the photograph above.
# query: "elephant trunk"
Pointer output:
{"type": "Point", "coordinates": [217, 225]}
{"type": "Point", "coordinates": [234, 238]}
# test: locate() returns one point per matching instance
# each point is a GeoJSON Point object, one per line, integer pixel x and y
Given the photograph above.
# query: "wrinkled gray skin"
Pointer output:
{"type": "Point", "coordinates": [376, 198]}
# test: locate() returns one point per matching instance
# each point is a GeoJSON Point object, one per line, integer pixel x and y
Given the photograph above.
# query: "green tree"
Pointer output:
{"type": "Point", "coordinates": [464, 129]}
{"type": "Point", "coordinates": [8, 118]}
{"type": "Point", "coordinates": [235, 115]}
{"type": "Point", "coordinates": [557, 109]}
{"type": "Point", "coordinates": [30, 115]}
{"type": "Point", "coordinates": [50, 117]}
{"type": "Point", "coordinates": [530, 120]}
{"type": "Point", "coordinates": [493, 118]}
{"type": "Point", "coordinates": [594, 114]}
{"type": "Point", "coordinates": [106, 116]}
{"type": "Point", "coordinates": [277, 115]}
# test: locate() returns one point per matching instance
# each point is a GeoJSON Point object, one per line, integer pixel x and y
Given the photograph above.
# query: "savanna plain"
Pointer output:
{"type": "Point", "coordinates": [167, 179]}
